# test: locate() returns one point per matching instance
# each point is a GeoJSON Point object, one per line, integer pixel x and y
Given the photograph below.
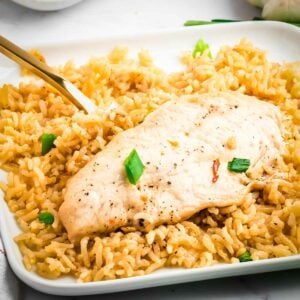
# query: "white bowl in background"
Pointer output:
{"type": "Point", "coordinates": [46, 5]}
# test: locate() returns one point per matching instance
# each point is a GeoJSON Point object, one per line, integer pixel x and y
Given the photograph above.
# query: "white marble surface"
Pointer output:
{"type": "Point", "coordinates": [95, 18]}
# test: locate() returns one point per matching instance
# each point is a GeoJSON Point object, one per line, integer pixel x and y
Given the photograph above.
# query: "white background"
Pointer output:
{"type": "Point", "coordinates": [98, 18]}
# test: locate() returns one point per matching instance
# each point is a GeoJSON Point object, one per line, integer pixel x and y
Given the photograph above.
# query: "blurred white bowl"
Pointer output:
{"type": "Point", "coordinates": [46, 5]}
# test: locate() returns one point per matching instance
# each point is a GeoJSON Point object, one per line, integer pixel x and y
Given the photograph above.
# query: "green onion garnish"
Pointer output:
{"type": "Point", "coordinates": [46, 218]}
{"type": "Point", "coordinates": [238, 165]}
{"type": "Point", "coordinates": [246, 256]}
{"type": "Point", "coordinates": [47, 142]}
{"type": "Point", "coordinates": [200, 47]}
{"type": "Point", "coordinates": [134, 167]}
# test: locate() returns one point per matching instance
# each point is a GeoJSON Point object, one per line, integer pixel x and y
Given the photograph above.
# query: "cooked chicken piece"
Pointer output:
{"type": "Point", "coordinates": [178, 144]}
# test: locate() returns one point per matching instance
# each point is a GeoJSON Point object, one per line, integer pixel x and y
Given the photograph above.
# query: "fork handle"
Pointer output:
{"type": "Point", "coordinates": [28, 61]}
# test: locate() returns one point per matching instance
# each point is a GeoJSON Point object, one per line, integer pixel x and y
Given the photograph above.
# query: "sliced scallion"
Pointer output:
{"type": "Point", "coordinates": [46, 218]}
{"type": "Point", "coordinates": [47, 142]}
{"type": "Point", "coordinates": [246, 256]}
{"type": "Point", "coordinates": [201, 47]}
{"type": "Point", "coordinates": [239, 165]}
{"type": "Point", "coordinates": [134, 167]}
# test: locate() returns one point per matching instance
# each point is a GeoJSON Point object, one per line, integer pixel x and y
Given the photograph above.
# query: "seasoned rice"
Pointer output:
{"type": "Point", "coordinates": [267, 223]}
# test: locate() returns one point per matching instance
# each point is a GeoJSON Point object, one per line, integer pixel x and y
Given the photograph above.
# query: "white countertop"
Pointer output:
{"type": "Point", "coordinates": [92, 18]}
{"type": "Point", "coordinates": [98, 18]}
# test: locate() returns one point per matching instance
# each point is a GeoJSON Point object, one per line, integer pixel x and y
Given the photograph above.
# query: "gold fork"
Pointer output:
{"type": "Point", "coordinates": [63, 86]}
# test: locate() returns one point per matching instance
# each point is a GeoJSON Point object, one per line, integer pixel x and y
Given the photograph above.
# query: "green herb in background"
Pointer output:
{"type": "Point", "coordinates": [218, 21]}
{"type": "Point", "coordinates": [134, 167]}
{"type": "Point", "coordinates": [196, 22]}
{"type": "Point", "coordinates": [246, 256]}
{"type": "Point", "coordinates": [46, 218]}
{"type": "Point", "coordinates": [47, 142]}
{"type": "Point", "coordinates": [201, 47]}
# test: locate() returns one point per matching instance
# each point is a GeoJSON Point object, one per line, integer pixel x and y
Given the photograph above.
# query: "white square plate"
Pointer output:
{"type": "Point", "coordinates": [282, 43]}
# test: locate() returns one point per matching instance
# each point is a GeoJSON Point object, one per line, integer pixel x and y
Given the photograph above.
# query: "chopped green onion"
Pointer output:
{"type": "Point", "coordinates": [47, 142]}
{"type": "Point", "coordinates": [134, 167]}
{"type": "Point", "coordinates": [46, 218]}
{"type": "Point", "coordinates": [246, 256]}
{"type": "Point", "coordinates": [200, 47]}
{"type": "Point", "coordinates": [239, 165]}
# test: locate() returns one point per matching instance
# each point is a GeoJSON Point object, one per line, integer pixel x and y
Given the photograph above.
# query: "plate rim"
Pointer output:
{"type": "Point", "coordinates": [153, 33]}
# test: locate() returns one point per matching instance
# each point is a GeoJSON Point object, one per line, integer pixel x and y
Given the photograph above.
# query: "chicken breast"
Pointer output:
{"type": "Point", "coordinates": [178, 144]}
